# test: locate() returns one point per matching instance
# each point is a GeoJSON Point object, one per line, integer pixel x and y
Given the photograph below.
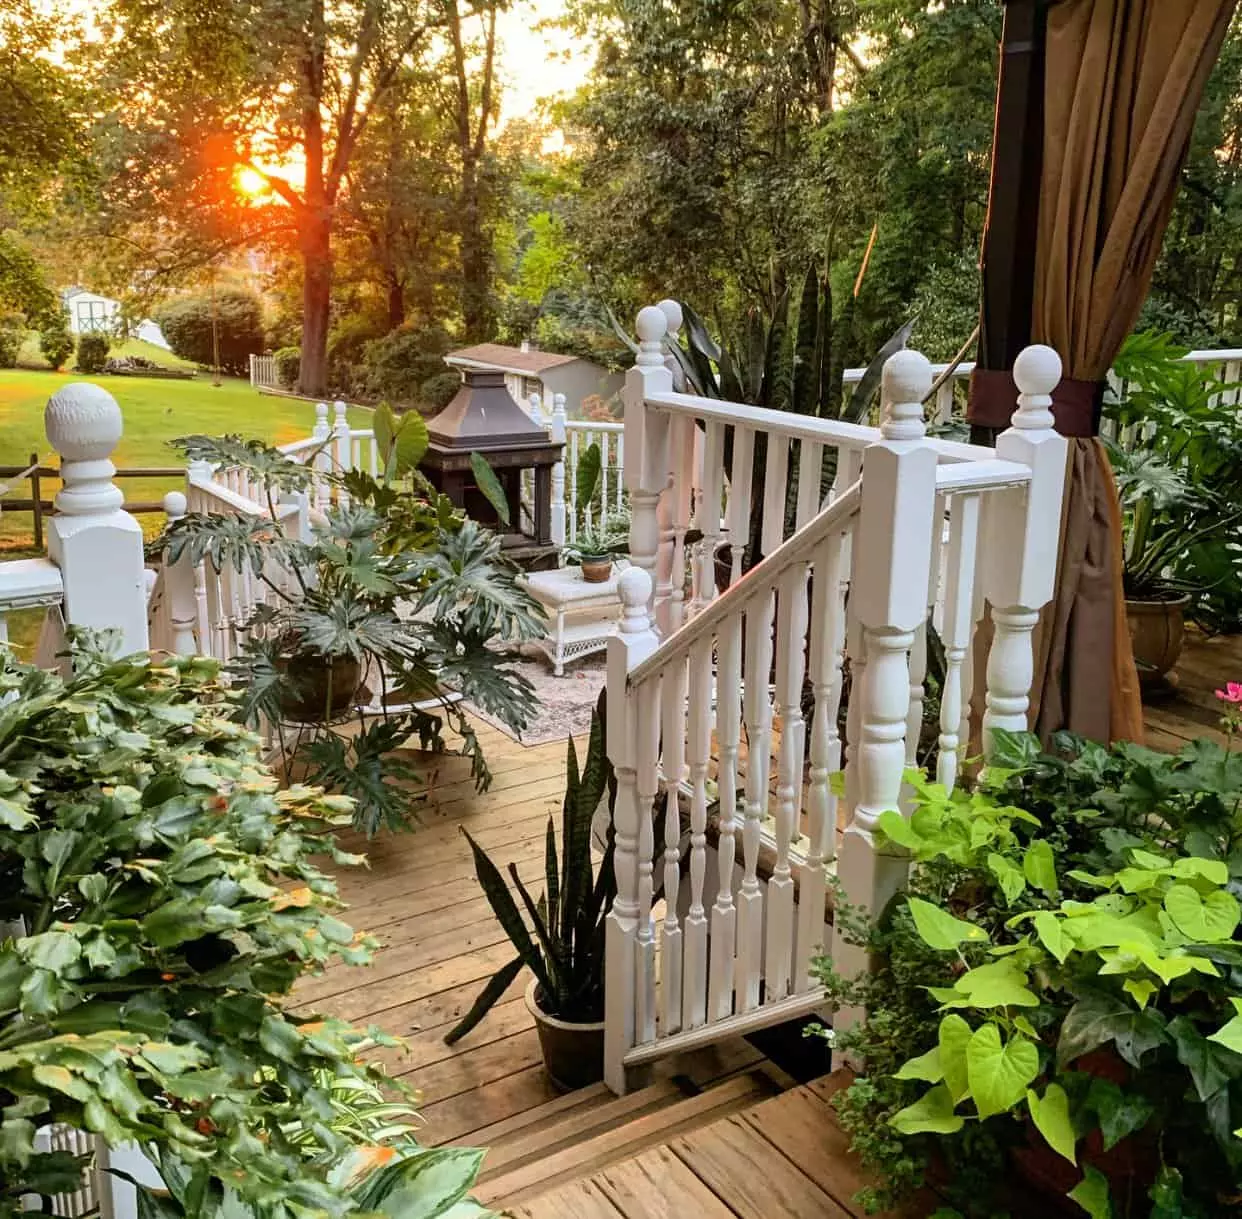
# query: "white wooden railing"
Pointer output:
{"type": "Point", "coordinates": [706, 692]}
{"type": "Point", "coordinates": [263, 372]}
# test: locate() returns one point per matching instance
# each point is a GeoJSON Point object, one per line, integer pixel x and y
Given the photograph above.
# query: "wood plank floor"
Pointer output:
{"type": "Point", "coordinates": [1190, 709]}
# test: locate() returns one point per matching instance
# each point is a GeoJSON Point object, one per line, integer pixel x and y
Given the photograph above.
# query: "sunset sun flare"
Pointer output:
{"type": "Point", "coordinates": [251, 182]}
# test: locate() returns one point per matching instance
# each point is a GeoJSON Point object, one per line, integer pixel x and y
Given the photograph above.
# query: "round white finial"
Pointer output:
{"type": "Point", "coordinates": [905, 382]}
{"type": "Point", "coordinates": [175, 505]}
{"type": "Point", "coordinates": [1036, 372]}
{"type": "Point", "coordinates": [651, 324]}
{"type": "Point", "coordinates": [634, 588]}
{"type": "Point", "coordinates": [672, 314]}
{"type": "Point", "coordinates": [339, 408]}
{"type": "Point", "coordinates": [83, 422]}
{"type": "Point", "coordinates": [321, 411]}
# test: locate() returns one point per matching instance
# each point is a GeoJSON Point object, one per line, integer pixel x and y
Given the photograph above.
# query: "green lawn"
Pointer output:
{"type": "Point", "coordinates": [31, 357]}
{"type": "Point", "coordinates": [155, 411]}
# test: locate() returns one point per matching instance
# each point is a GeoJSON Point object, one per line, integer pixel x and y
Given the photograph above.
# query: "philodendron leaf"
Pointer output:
{"type": "Point", "coordinates": [410, 444]}
{"type": "Point", "coordinates": [939, 929]}
{"type": "Point", "coordinates": [1206, 920]}
{"type": "Point", "coordinates": [954, 1035]}
{"type": "Point", "coordinates": [1230, 1035]}
{"type": "Point", "coordinates": [487, 482]}
{"type": "Point", "coordinates": [932, 1113]}
{"type": "Point", "coordinates": [384, 424]}
{"type": "Point", "coordinates": [1091, 1193]}
{"type": "Point", "coordinates": [925, 1067]}
{"type": "Point", "coordinates": [999, 1073]}
{"type": "Point", "coordinates": [1052, 934]}
{"type": "Point", "coordinates": [1008, 875]}
{"type": "Point", "coordinates": [1040, 867]}
{"type": "Point", "coordinates": [1052, 1119]}
{"type": "Point", "coordinates": [997, 984]}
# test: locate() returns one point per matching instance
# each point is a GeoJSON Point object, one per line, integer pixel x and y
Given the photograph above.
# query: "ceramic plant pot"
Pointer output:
{"type": "Point", "coordinates": [316, 683]}
{"type": "Point", "coordinates": [573, 1054]}
{"type": "Point", "coordinates": [1157, 629]}
{"type": "Point", "coordinates": [596, 571]}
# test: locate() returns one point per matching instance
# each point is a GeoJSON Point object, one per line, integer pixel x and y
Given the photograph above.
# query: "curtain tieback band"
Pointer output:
{"type": "Point", "coordinates": [1076, 405]}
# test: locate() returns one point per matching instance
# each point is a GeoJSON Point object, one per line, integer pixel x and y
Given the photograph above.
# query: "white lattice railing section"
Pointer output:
{"type": "Point", "coordinates": [263, 372]}
{"type": "Point", "coordinates": [733, 702]}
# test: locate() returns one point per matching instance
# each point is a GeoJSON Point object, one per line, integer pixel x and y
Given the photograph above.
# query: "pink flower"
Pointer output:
{"type": "Point", "coordinates": [1232, 693]}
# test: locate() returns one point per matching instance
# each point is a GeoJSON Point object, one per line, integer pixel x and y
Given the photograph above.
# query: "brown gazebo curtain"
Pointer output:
{"type": "Point", "coordinates": [1122, 83]}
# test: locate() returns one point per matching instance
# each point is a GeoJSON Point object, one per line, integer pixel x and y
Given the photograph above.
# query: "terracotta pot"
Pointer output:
{"type": "Point", "coordinates": [318, 682]}
{"type": "Point", "coordinates": [1156, 632]}
{"type": "Point", "coordinates": [573, 1054]}
{"type": "Point", "coordinates": [596, 571]}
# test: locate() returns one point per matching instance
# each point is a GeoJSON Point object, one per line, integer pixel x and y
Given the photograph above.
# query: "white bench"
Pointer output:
{"type": "Point", "coordinates": [582, 616]}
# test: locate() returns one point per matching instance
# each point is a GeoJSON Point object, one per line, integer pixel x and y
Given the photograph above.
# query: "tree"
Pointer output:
{"type": "Point", "coordinates": [283, 89]}
{"type": "Point", "coordinates": [192, 325]}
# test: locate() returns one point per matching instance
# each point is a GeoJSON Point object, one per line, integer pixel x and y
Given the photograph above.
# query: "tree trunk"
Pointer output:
{"type": "Point", "coordinates": [316, 242]}
{"type": "Point", "coordinates": [475, 304]}
{"type": "Point", "coordinates": [396, 301]}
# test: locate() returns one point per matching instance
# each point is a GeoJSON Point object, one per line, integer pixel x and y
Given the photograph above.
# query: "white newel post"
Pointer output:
{"type": "Point", "coordinates": [634, 642]}
{"type": "Point", "coordinates": [559, 432]}
{"type": "Point", "coordinates": [322, 433]}
{"type": "Point", "coordinates": [669, 581]}
{"type": "Point", "coordinates": [96, 544]}
{"type": "Point", "coordinates": [1022, 532]}
{"type": "Point", "coordinates": [647, 467]}
{"type": "Point", "coordinates": [179, 587]}
{"type": "Point", "coordinates": [342, 456]}
{"type": "Point", "coordinates": [892, 562]}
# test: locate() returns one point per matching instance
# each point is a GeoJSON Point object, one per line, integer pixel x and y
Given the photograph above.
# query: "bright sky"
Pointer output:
{"type": "Point", "coordinates": [538, 64]}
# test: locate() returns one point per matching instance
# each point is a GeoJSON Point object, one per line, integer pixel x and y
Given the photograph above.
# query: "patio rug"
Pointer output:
{"type": "Point", "coordinates": [564, 703]}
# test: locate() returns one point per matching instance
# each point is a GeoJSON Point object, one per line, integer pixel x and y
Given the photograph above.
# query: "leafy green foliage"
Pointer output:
{"type": "Point", "coordinates": [563, 946]}
{"type": "Point", "coordinates": [194, 324]}
{"type": "Point", "coordinates": [55, 342]}
{"type": "Point", "coordinates": [1068, 954]}
{"type": "Point", "coordinates": [92, 351]}
{"type": "Point", "coordinates": [487, 482]}
{"type": "Point", "coordinates": [395, 579]}
{"type": "Point", "coordinates": [171, 901]}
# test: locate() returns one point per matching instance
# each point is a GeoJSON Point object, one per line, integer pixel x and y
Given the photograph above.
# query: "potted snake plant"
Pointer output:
{"type": "Point", "coordinates": [596, 541]}
{"type": "Point", "coordinates": [564, 946]}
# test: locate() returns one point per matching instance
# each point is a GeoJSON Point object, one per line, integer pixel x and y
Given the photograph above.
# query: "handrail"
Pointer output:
{"type": "Point", "coordinates": [593, 425]}
{"type": "Point", "coordinates": [796, 549]}
{"type": "Point", "coordinates": [994, 474]}
{"type": "Point", "coordinates": [832, 432]}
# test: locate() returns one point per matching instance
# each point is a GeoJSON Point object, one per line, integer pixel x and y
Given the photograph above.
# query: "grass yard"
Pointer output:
{"type": "Point", "coordinates": [155, 412]}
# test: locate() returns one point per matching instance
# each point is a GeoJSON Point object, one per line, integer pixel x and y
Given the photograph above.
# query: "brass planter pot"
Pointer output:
{"type": "Point", "coordinates": [1157, 630]}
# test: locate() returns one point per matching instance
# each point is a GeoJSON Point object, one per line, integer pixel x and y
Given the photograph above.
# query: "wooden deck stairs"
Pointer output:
{"type": "Point", "coordinates": [748, 1147]}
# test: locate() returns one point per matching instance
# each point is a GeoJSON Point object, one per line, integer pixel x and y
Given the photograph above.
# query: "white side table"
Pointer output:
{"type": "Point", "coordinates": [583, 615]}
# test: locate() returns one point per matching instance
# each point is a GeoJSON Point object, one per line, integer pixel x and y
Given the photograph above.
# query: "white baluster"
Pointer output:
{"type": "Point", "coordinates": [957, 628]}
{"type": "Point", "coordinates": [574, 446]}
{"type": "Point", "coordinates": [179, 591]}
{"type": "Point", "coordinates": [681, 435]}
{"type": "Point", "coordinates": [92, 539]}
{"type": "Point", "coordinates": [1020, 549]}
{"type": "Point", "coordinates": [603, 480]}
{"type": "Point", "coordinates": [708, 512]}
{"type": "Point", "coordinates": [810, 467]}
{"type": "Point", "coordinates": [892, 549]}
{"type": "Point", "coordinates": [826, 645]}
{"type": "Point", "coordinates": [728, 733]}
{"type": "Point", "coordinates": [790, 668]}
{"type": "Point", "coordinates": [646, 472]}
{"type": "Point", "coordinates": [323, 458]}
{"type": "Point", "coordinates": [694, 985]}
{"type": "Point", "coordinates": [557, 429]}
{"type": "Point", "coordinates": [629, 647]}
{"type": "Point", "coordinates": [534, 409]}
{"type": "Point", "coordinates": [740, 477]}
{"type": "Point", "coordinates": [775, 481]}
{"type": "Point", "coordinates": [758, 711]}
{"type": "Point", "coordinates": [673, 734]}
{"type": "Point", "coordinates": [341, 446]}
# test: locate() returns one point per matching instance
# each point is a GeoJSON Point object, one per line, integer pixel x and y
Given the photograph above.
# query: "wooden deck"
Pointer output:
{"type": "Point", "coordinates": [441, 944]}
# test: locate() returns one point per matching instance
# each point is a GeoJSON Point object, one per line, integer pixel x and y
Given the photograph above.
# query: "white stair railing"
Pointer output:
{"type": "Point", "coordinates": [707, 694]}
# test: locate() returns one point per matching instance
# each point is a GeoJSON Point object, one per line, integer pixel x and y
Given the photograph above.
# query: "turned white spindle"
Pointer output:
{"type": "Point", "coordinates": [775, 482]}
{"type": "Point", "coordinates": [825, 658]}
{"type": "Point", "coordinates": [1022, 535]}
{"type": "Point", "coordinates": [956, 631]}
{"type": "Point", "coordinates": [647, 730]}
{"type": "Point", "coordinates": [673, 742]}
{"type": "Point", "coordinates": [791, 630]}
{"type": "Point", "coordinates": [681, 436]}
{"type": "Point", "coordinates": [758, 712]}
{"type": "Point", "coordinates": [633, 642]}
{"type": "Point", "coordinates": [341, 448]}
{"type": "Point", "coordinates": [707, 511]}
{"type": "Point", "coordinates": [557, 430]}
{"type": "Point", "coordinates": [741, 475]}
{"type": "Point", "coordinates": [92, 539]}
{"type": "Point", "coordinates": [179, 591]}
{"type": "Point", "coordinates": [534, 408]}
{"type": "Point", "coordinates": [647, 465]}
{"type": "Point", "coordinates": [892, 557]}
{"type": "Point", "coordinates": [694, 951]}
{"type": "Point", "coordinates": [323, 456]}
{"type": "Point", "coordinates": [810, 468]}
{"type": "Point", "coordinates": [728, 735]}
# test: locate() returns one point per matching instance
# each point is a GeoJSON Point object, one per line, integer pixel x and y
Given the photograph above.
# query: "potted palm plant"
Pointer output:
{"type": "Point", "coordinates": [565, 950]}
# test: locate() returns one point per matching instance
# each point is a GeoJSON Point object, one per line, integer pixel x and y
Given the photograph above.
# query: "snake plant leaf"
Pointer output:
{"type": "Point", "coordinates": [487, 482]}
{"type": "Point", "coordinates": [620, 331]}
{"type": "Point", "coordinates": [551, 873]}
{"type": "Point", "coordinates": [860, 400]}
{"type": "Point", "coordinates": [500, 982]}
{"type": "Point", "coordinates": [587, 478]}
{"type": "Point", "coordinates": [698, 334]}
{"type": "Point", "coordinates": [806, 346]}
{"type": "Point", "coordinates": [554, 954]}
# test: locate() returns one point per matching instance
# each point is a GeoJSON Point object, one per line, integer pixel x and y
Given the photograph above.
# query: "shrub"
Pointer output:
{"type": "Point", "coordinates": [400, 365]}
{"type": "Point", "coordinates": [172, 901]}
{"type": "Point", "coordinates": [12, 332]}
{"type": "Point", "coordinates": [92, 351]}
{"type": "Point", "coordinates": [437, 392]}
{"type": "Point", "coordinates": [187, 325]}
{"type": "Point", "coordinates": [56, 343]}
{"type": "Point", "coordinates": [288, 366]}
